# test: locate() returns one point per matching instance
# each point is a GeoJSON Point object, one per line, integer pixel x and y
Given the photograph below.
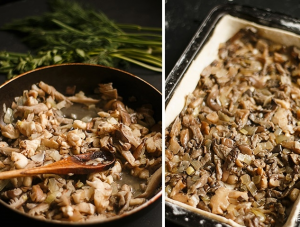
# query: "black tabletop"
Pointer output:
{"type": "Point", "coordinates": [182, 20]}
{"type": "Point", "coordinates": [144, 13]}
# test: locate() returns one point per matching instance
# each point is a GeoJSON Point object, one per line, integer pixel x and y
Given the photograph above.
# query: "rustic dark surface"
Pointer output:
{"type": "Point", "coordinates": [145, 13]}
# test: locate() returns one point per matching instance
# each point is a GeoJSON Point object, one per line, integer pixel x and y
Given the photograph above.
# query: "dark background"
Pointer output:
{"type": "Point", "coordinates": [144, 13]}
{"type": "Point", "coordinates": [182, 20]}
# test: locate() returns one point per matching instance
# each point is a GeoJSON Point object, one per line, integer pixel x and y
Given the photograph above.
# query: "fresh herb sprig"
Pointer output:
{"type": "Point", "coordinates": [73, 33]}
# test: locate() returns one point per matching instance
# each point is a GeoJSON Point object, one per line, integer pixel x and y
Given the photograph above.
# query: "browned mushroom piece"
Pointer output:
{"type": "Point", "coordinates": [153, 184]}
{"type": "Point", "coordinates": [51, 91]}
{"type": "Point", "coordinates": [83, 99]}
{"type": "Point", "coordinates": [38, 108]}
{"type": "Point", "coordinates": [108, 91]}
{"type": "Point", "coordinates": [118, 105]}
{"type": "Point", "coordinates": [125, 134]}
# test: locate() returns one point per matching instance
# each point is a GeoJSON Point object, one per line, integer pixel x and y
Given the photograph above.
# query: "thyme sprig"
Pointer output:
{"type": "Point", "coordinates": [71, 33]}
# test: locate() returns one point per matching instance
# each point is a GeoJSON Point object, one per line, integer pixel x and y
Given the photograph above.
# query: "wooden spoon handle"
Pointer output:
{"type": "Point", "coordinates": [62, 167]}
{"type": "Point", "coordinates": [72, 164]}
{"type": "Point", "coordinates": [14, 173]}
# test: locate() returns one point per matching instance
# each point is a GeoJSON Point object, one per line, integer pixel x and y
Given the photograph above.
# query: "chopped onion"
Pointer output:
{"type": "Point", "coordinates": [278, 132]}
{"type": "Point", "coordinates": [250, 130]}
{"type": "Point", "coordinates": [55, 155]}
{"type": "Point", "coordinates": [79, 184]}
{"type": "Point", "coordinates": [244, 131]}
{"type": "Point", "coordinates": [50, 197]}
{"type": "Point", "coordinates": [4, 108]}
{"type": "Point", "coordinates": [256, 179]}
{"type": "Point", "coordinates": [225, 117]}
{"type": "Point", "coordinates": [112, 120]}
{"type": "Point", "coordinates": [168, 190]}
{"type": "Point", "coordinates": [180, 169]}
{"type": "Point", "coordinates": [263, 146]}
{"type": "Point", "coordinates": [196, 164]}
{"type": "Point", "coordinates": [8, 117]}
{"type": "Point", "coordinates": [73, 116]}
{"type": "Point", "coordinates": [52, 185]}
{"type": "Point", "coordinates": [87, 119]}
{"type": "Point", "coordinates": [245, 179]}
{"type": "Point", "coordinates": [196, 111]}
{"type": "Point", "coordinates": [61, 104]}
{"type": "Point", "coordinates": [243, 188]}
{"type": "Point", "coordinates": [205, 199]}
{"type": "Point", "coordinates": [245, 158]}
{"type": "Point", "coordinates": [259, 214]}
{"type": "Point", "coordinates": [176, 158]}
{"type": "Point", "coordinates": [281, 138]}
{"type": "Point", "coordinates": [39, 157]}
{"type": "Point", "coordinates": [252, 188]}
{"type": "Point", "coordinates": [51, 101]}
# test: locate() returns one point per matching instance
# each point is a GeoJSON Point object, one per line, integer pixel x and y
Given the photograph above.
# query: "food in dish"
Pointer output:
{"type": "Point", "coordinates": [234, 149]}
{"type": "Point", "coordinates": [43, 126]}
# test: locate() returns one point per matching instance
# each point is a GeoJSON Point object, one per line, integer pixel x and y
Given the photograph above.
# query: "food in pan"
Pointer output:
{"type": "Point", "coordinates": [43, 126]}
{"type": "Point", "coordinates": [234, 149]}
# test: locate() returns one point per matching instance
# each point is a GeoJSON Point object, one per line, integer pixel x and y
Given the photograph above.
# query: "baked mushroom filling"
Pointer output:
{"type": "Point", "coordinates": [234, 150]}
{"type": "Point", "coordinates": [44, 126]}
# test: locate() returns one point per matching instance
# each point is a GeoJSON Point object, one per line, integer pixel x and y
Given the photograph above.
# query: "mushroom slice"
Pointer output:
{"type": "Point", "coordinates": [118, 105]}
{"type": "Point", "coordinates": [125, 198]}
{"type": "Point", "coordinates": [52, 91]}
{"type": "Point", "coordinates": [83, 99]}
{"type": "Point", "coordinates": [153, 184]}
{"type": "Point", "coordinates": [125, 134]}
{"type": "Point", "coordinates": [36, 109]}
{"type": "Point", "coordinates": [108, 91]}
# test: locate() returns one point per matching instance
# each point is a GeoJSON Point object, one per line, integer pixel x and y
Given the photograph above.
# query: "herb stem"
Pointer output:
{"type": "Point", "coordinates": [70, 33]}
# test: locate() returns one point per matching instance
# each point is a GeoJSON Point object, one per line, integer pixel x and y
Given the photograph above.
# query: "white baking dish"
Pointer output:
{"type": "Point", "coordinates": [224, 29]}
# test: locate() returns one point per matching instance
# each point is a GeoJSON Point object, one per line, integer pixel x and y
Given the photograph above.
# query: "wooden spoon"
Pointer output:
{"type": "Point", "coordinates": [73, 164]}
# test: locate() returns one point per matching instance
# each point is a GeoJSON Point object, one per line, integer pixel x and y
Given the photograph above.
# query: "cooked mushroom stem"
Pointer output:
{"type": "Point", "coordinates": [83, 100]}
{"type": "Point", "coordinates": [33, 109]}
{"type": "Point", "coordinates": [153, 184]}
{"type": "Point", "coordinates": [211, 98]}
{"type": "Point", "coordinates": [138, 151]}
{"type": "Point", "coordinates": [52, 91]}
{"type": "Point", "coordinates": [118, 105]}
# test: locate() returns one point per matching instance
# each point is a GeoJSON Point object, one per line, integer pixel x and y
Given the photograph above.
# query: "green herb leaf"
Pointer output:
{"type": "Point", "coordinates": [73, 33]}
